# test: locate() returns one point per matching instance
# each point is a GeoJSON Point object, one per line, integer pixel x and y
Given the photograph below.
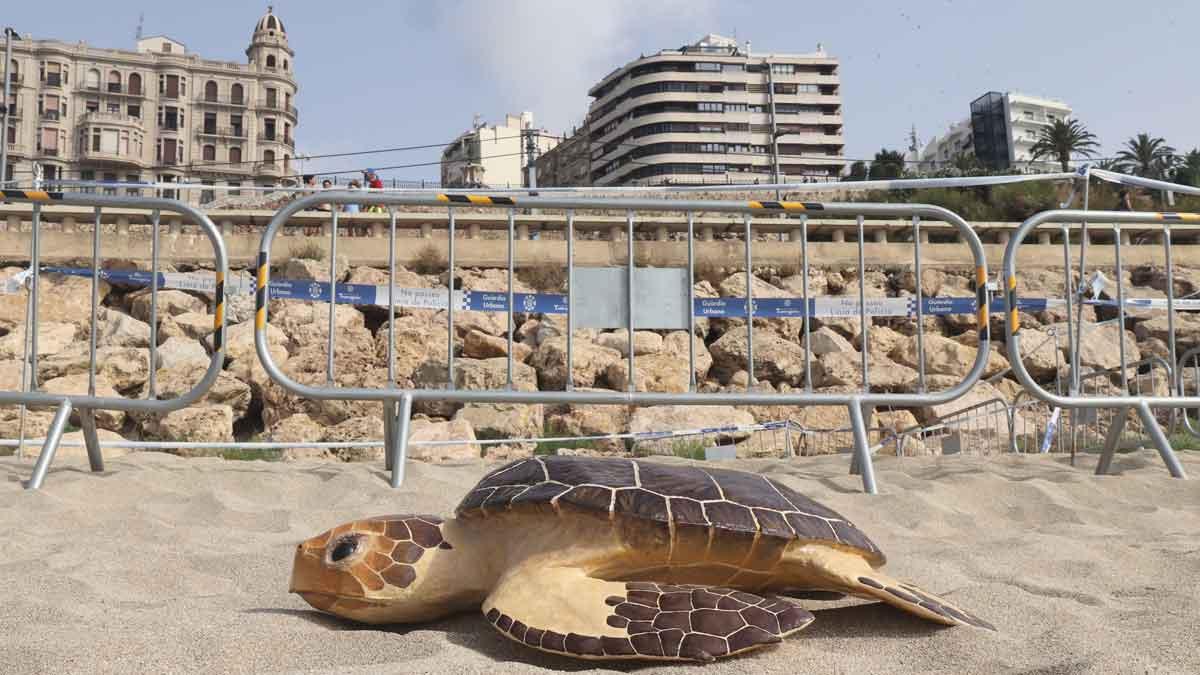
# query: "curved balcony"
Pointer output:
{"type": "Point", "coordinates": [272, 169]}
{"type": "Point", "coordinates": [113, 119]}
{"type": "Point", "coordinates": [111, 158]}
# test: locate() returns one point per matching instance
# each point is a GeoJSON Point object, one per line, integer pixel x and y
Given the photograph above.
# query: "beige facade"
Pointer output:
{"type": "Point", "coordinates": [709, 113]}
{"type": "Point", "coordinates": [155, 114]}
{"type": "Point", "coordinates": [492, 156]}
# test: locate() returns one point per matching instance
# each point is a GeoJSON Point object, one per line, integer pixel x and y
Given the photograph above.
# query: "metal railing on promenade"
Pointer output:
{"type": "Point", "coordinates": [85, 405]}
{"type": "Point", "coordinates": [633, 298]}
{"type": "Point", "coordinates": [1076, 400]}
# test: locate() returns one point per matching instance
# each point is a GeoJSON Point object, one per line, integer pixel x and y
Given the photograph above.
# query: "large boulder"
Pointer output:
{"type": "Point", "coordinates": [775, 360]}
{"type": "Point", "coordinates": [503, 420]}
{"type": "Point", "coordinates": [1042, 352]}
{"type": "Point", "coordinates": [589, 363]}
{"type": "Point", "coordinates": [685, 417]}
{"type": "Point", "coordinates": [308, 367]}
{"type": "Point", "coordinates": [77, 383]}
{"type": "Point", "coordinates": [423, 430]}
{"type": "Point", "coordinates": [307, 269]}
{"type": "Point", "coordinates": [116, 329]}
{"type": "Point", "coordinates": [194, 325]}
{"type": "Point", "coordinates": [656, 372]}
{"type": "Point", "coordinates": [170, 303]}
{"type": "Point", "coordinates": [1099, 348]}
{"type": "Point", "coordinates": [480, 345]}
{"type": "Point", "coordinates": [844, 369]}
{"type": "Point", "coordinates": [590, 420]}
{"type": "Point", "coordinates": [825, 340]}
{"type": "Point", "coordinates": [1187, 330]}
{"type": "Point", "coordinates": [307, 323]}
{"type": "Point", "coordinates": [174, 381]}
{"type": "Point", "coordinates": [180, 350]}
{"type": "Point", "coordinates": [357, 430]}
{"type": "Point", "coordinates": [943, 356]}
{"type": "Point", "coordinates": [125, 368]}
{"type": "Point", "coordinates": [299, 428]}
{"type": "Point", "coordinates": [676, 343]}
{"type": "Point", "coordinates": [644, 342]}
{"type": "Point", "coordinates": [61, 299]}
{"type": "Point", "coordinates": [417, 341]}
{"type": "Point", "coordinates": [209, 423]}
{"type": "Point", "coordinates": [53, 337]}
{"type": "Point", "coordinates": [470, 374]}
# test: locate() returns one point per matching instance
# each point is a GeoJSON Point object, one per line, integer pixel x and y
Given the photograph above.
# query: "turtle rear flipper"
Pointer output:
{"type": "Point", "coordinates": [915, 600]}
{"type": "Point", "coordinates": [563, 611]}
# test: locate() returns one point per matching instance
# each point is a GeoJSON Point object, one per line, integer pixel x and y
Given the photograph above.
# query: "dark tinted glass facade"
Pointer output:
{"type": "Point", "coordinates": [989, 130]}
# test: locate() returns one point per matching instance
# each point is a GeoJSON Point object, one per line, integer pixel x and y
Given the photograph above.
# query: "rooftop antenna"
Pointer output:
{"type": "Point", "coordinates": [141, 21]}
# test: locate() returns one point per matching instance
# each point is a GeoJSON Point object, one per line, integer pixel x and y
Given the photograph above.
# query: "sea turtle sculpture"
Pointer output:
{"type": "Point", "coordinates": [610, 559]}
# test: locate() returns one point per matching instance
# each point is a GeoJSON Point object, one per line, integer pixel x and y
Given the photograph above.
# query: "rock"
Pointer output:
{"type": "Point", "coordinates": [239, 308]}
{"type": "Point", "coordinates": [1041, 353]}
{"type": "Point", "coordinates": [417, 342]}
{"type": "Point", "coordinates": [817, 284]}
{"type": "Point", "coordinates": [173, 381]}
{"type": "Point", "coordinates": [985, 427]}
{"type": "Point", "coordinates": [943, 356]}
{"type": "Point", "coordinates": [931, 281]}
{"type": "Point", "coordinates": [898, 422]}
{"type": "Point", "coordinates": [473, 374]}
{"type": "Point", "coordinates": [371, 276]}
{"type": "Point", "coordinates": [239, 340]}
{"type": "Point", "coordinates": [307, 323]}
{"type": "Point", "coordinates": [676, 343]}
{"type": "Point", "coordinates": [210, 423]}
{"type": "Point", "coordinates": [881, 338]}
{"type": "Point", "coordinates": [192, 325]}
{"type": "Point", "coordinates": [1010, 389]}
{"type": "Point", "coordinates": [180, 350]}
{"type": "Point", "coordinates": [52, 337]}
{"type": "Point", "coordinates": [61, 299]}
{"type": "Point", "coordinates": [299, 429]}
{"type": "Point", "coordinates": [306, 269]}
{"type": "Point", "coordinates": [734, 286]}
{"type": "Point", "coordinates": [844, 369]}
{"type": "Point", "coordinates": [125, 368]}
{"type": "Point", "coordinates": [825, 340]}
{"type": "Point", "coordinates": [644, 342]}
{"type": "Point", "coordinates": [1098, 346]}
{"type": "Point", "coordinates": [77, 383]}
{"type": "Point", "coordinates": [656, 372]}
{"type": "Point", "coordinates": [682, 417]}
{"type": "Point", "coordinates": [503, 420]}
{"type": "Point", "coordinates": [170, 303]}
{"type": "Point", "coordinates": [589, 363]}
{"type": "Point", "coordinates": [1187, 330]}
{"type": "Point", "coordinates": [308, 367]}
{"type": "Point", "coordinates": [775, 359]}
{"type": "Point", "coordinates": [590, 420]}
{"type": "Point", "coordinates": [479, 345]}
{"type": "Point", "coordinates": [423, 430]}
{"type": "Point", "coordinates": [115, 329]}
{"type": "Point", "coordinates": [356, 430]}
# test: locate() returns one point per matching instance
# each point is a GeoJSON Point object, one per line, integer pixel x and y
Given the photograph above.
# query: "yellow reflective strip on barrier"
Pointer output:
{"type": "Point", "coordinates": [1014, 320]}
{"type": "Point", "coordinates": [443, 198]}
{"type": "Point", "coordinates": [262, 276]}
{"type": "Point", "coordinates": [1190, 217]}
{"type": "Point", "coordinates": [37, 195]}
{"type": "Point", "coordinates": [479, 199]}
{"type": "Point", "coordinates": [1012, 283]}
{"type": "Point", "coordinates": [756, 205]}
{"type": "Point", "coordinates": [260, 318]}
{"type": "Point", "coordinates": [981, 276]}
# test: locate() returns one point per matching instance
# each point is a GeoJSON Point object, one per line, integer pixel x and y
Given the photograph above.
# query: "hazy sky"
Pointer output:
{"type": "Point", "coordinates": [378, 75]}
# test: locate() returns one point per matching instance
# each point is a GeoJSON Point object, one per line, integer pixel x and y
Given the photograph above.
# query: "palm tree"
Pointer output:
{"type": "Point", "coordinates": [1146, 156]}
{"type": "Point", "coordinates": [1188, 171]}
{"type": "Point", "coordinates": [1063, 139]}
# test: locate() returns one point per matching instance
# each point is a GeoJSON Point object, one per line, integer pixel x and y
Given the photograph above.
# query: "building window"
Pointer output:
{"type": "Point", "coordinates": [783, 68]}
{"type": "Point", "coordinates": [807, 88]}
{"type": "Point", "coordinates": [135, 111]}
{"type": "Point", "coordinates": [91, 106]}
{"type": "Point", "coordinates": [92, 79]}
{"type": "Point", "coordinates": [135, 84]}
{"type": "Point", "coordinates": [166, 47]}
{"type": "Point", "coordinates": [235, 156]}
{"type": "Point", "coordinates": [1028, 114]}
{"type": "Point", "coordinates": [236, 94]}
{"type": "Point", "coordinates": [285, 65]}
{"type": "Point", "coordinates": [95, 140]}
{"type": "Point", "coordinates": [272, 97]}
{"type": "Point", "coordinates": [113, 108]}
{"type": "Point", "coordinates": [110, 178]}
{"type": "Point", "coordinates": [209, 153]}
{"type": "Point", "coordinates": [233, 191]}
{"type": "Point", "coordinates": [114, 82]}
{"type": "Point", "coordinates": [707, 67]}
{"type": "Point", "coordinates": [210, 91]}
{"type": "Point", "coordinates": [712, 147]}
{"type": "Point", "coordinates": [271, 61]}
{"type": "Point", "coordinates": [235, 124]}
{"type": "Point", "coordinates": [210, 123]}
{"type": "Point", "coordinates": [712, 168]}
{"type": "Point", "coordinates": [706, 106]}
{"type": "Point", "coordinates": [206, 195]}
{"type": "Point", "coordinates": [735, 107]}
{"type": "Point", "coordinates": [268, 156]}
{"type": "Point", "coordinates": [133, 178]}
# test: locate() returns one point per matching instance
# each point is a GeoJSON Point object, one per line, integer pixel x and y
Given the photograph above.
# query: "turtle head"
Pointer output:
{"type": "Point", "coordinates": [389, 569]}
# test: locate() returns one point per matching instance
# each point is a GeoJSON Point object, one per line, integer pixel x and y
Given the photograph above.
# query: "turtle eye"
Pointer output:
{"type": "Point", "coordinates": [344, 549]}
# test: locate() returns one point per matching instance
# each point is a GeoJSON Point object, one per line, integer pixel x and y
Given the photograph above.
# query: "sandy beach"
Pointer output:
{"type": "Point", "coordinates": [169, 565]}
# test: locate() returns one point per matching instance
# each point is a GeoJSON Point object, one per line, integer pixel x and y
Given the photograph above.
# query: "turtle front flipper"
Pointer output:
{"type": "Point", "coordinates": [914, 600]}
{"type": "Point", "coordinates": [563, 611]}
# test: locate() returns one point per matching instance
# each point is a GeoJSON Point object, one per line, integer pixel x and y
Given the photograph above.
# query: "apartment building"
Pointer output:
{"type": "Point", "coordinates": [941, 151]}
{"type": "Point", "coordinates": [1005, 127]}
{"type": "Point", "coordinates": [493, 156]}
{"type": "Point", "coordinates": [715, 112]}
{"type": "Point", "coordinates": [158, 113]}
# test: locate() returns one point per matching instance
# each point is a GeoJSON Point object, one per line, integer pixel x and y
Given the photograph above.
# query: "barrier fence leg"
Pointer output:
{"type": "Point", "coordinates": [862, 449]}
{"type": "Point", "coordinates": [1112, 440]}
{"type": "Point", "coordinates": [87, 420]}
{"type": "Point", "coordinates": [53, 436]}
{"type": "Point", "coordinates": [1160, 441]}
{"type": "Point", "coordinates": [400, 441]}
{"type": "Point", "coordinates": [389, 439]}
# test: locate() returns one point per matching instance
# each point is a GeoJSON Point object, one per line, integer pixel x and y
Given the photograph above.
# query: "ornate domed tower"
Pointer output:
{"type": "Point", "coordinates": [271, 58]}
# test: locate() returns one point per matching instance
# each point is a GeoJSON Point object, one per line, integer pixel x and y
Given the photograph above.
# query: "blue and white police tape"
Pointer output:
{"type": "Point", "coordinates": [551, 303]}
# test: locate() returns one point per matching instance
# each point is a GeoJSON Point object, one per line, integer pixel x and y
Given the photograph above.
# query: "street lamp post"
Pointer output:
{"type": "Point", "coordinates": [9, 35]}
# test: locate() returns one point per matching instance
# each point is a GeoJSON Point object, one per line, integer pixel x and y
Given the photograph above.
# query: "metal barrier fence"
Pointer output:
{"type": "Point", "coordinates": [1144, 377]}
{"type": "Point", "coordinates": [628, 312]}
{"type": "Point", "coordinates": [1188, 375]}
{"type": "Point", "coordinates": [86, 405]}
{"type": "Point", "coordinates": [1143, 404]}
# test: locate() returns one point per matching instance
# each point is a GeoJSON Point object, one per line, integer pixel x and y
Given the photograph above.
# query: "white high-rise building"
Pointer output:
{"type": "Point", "coordinates": [1006, 126]}
{"type": "Point", "coordinates": [714, 111]}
